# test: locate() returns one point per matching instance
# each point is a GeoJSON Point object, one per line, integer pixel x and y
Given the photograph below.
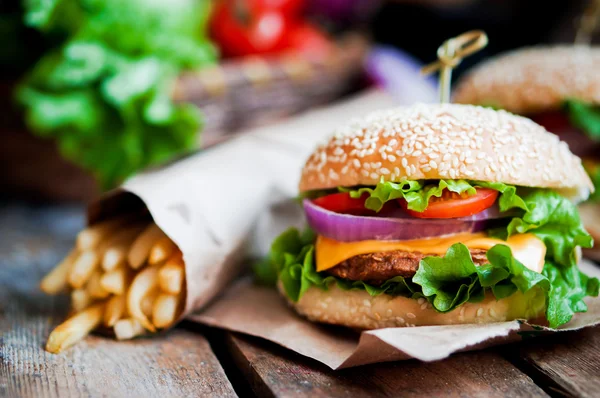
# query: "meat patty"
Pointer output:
{"type": "Point", "coordinates": [376, 268]}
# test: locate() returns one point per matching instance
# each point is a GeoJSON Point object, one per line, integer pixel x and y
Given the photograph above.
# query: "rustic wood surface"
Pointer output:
{"type": "Point", "coordinates": [192, 360]}
{"type": "Point", "coordinates": [274, 372]}
{"type": "Point", "coordinates": [568, 362]}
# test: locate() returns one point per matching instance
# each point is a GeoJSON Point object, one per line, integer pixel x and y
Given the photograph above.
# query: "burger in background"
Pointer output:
{"type": "Point", "coordinates": [557, 87]}
{"type": "Point", "coordinates": [435, 215]}
{"type": "Point", "coordinates": [418, 26]}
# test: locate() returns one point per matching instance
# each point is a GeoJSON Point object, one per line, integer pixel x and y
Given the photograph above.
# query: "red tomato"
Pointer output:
{"type": "Point", "coordinates": [343, 203]}
{"type": "Point", "coordinates": [242, 29]}
{"type": "Point", "coordinates": [289, 8]}
{"type": "Point", "coordinates": [453, 205]}
{"type": "Point", "coordinates": [555, 121]}
{"type": "Point", "coordinates": [309, 41]}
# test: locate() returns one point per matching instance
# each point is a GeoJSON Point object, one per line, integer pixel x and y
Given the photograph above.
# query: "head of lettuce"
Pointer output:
{"type": "Point", "coordinates": [102, 90]}
{"type": "Point", "coordinates": [436, 215]}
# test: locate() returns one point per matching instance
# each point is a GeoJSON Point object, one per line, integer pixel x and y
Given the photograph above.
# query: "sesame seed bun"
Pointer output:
{"type": "Point", "coordinates": [445, 141]}
{"type": "Point", "coordinates": [590, 213]}
{"type": "Point", "coordinates": [357, 309]}
{"type": "Point", "coordinates": [535, 79]}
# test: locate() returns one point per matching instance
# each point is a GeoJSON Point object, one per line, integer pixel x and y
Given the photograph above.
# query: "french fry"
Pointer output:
{"type": "Point", "coordinates": [162, 249]}
{"type": "Point", "coordinates": [80, 299]}
{"type": "Point", "coordinates": [143, 284]}
{"type": "Point", "coordinates": [115, 281]}
{"type": "Point", "coordinates": [115, 310]}
{"type": "Point", "coordinates": [164, 310]}
{"type": "Point", "coordinates": [94, 287]}
{"type": "Point", "coordinates": [75, 328]}
{"type": "Point", "coordinates": [114, 257]}
{"type": "Point", "coordinates": [115, 254]}
{"type": "Point", "coordinates": [140, 249]}
{"type": "Point", "coordinates": [83, 268]}
{"type": "Point", "coordinates": [129, 328]}
{"type": "Point", "coordinates": [91, 237]}
{"type": "Point", "coordinates": [148, 302]}
{"type": "Point", "coordinates": [171, 275]}
{"type": "Point", "coordinates": [56, 280]}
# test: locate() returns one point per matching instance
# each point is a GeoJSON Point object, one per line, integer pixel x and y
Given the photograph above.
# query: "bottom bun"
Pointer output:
{"type": "Point", "coordinates": [593, 254]}
{"type": "Point", "coordinates": [590, 214]}
{"type": "Point", "coordinates": [359, 310]}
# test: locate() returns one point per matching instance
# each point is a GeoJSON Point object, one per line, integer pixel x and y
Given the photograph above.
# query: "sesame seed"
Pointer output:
{"type": "Point", "coordinates": [479, 312]}
{"type": "Point", "coordinates": [411, 315]}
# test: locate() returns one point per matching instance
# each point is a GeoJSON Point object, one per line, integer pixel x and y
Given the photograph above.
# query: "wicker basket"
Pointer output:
{"type": "Point", "coordinates": [249, 92]}
{"type": "Point", "coordinates": [233, 96]}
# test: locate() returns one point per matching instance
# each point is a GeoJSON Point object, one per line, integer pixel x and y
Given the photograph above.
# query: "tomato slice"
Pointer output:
{"type": "Point", "coordinates": [553, 121]}
{"type": "Point", "coordinates": [453, 205]}
{"type": "Point", "coordinates": [343, 203]}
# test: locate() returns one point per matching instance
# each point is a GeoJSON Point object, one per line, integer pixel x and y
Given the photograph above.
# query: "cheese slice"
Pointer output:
{"type": "Point", "coordinates": [527, 248]}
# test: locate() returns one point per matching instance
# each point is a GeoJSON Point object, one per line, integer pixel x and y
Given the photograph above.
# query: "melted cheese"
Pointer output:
{"type": "Point", "coordinates": [526, 248]}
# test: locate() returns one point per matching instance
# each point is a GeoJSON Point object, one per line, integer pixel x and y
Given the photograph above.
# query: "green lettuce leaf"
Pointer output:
{"type": "Point", "coordinates": [509, 199]}
{"type": "Point", "coordinates": [454, 279]}
{"type": "Point", "coordinates": [104, 91]}
{"type": "Point", "coordinates": [584, 116]}
{"type": "Point", "coordinates": [416, 193]}
{"type": "Point", "coordinates": [446, 282]}
{"type": "Point", "coordinates": [568, 287]}
{"type": "Point", "coordinates": [553, 219]}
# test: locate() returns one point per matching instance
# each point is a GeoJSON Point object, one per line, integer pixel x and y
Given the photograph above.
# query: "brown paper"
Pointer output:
{"type": "Point", "coordinates": [209, 202]}
{"type": "Point", "coordinates": [260, 311]}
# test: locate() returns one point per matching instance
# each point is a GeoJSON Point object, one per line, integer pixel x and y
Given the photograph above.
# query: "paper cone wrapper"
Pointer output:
{"type": "Point", "coordinates": [209, 203]}
{"type": "Point", "coordinates": [262, 312]}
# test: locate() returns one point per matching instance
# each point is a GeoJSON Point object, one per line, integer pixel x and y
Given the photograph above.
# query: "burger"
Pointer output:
{"type": "Point", "coordinates": [435, 215]}
{"type": "Point", "coordinates": [557, 87]}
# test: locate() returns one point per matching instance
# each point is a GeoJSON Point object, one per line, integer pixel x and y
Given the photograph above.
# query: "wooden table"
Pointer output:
{"type": "Point", "coordinates": [196, 361]}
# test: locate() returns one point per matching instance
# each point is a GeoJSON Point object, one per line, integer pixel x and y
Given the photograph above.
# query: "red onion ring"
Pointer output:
{"type": "Point", "coordinates": [396, 225]}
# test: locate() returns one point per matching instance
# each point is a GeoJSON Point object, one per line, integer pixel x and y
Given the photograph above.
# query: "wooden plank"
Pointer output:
{"type": "Point", "coordinates": [177, 363]}
{"type": "Point", "coordinates": [567, 362]}
{"type": "Point", "coordinates": [274, 371]}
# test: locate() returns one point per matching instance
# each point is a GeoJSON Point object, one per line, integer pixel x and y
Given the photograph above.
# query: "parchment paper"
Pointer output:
{"type": "Point", "coordinates": [260, 311]}
{"type": "Point", "coordinates": [209, 202]}
{"type": "Point", "coordinates": [229, 202]}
